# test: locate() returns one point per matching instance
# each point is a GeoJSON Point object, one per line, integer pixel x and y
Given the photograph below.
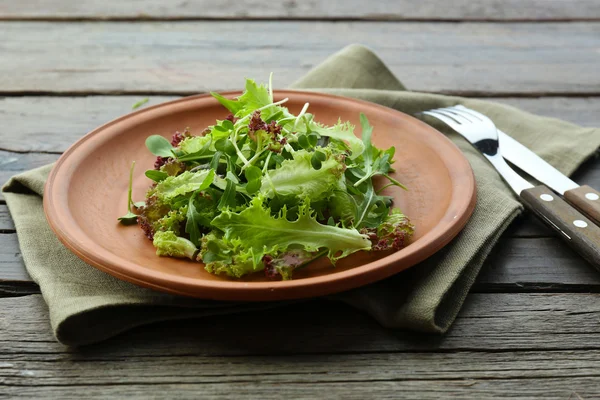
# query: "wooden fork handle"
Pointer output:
{"type": "Point", "coordinates": [587, 200]}
{"type": "Point", "coordinates": [573, 227]}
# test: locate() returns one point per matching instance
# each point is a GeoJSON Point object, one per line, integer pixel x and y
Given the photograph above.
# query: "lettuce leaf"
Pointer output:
{"type": "Point", "coordinates": [343, 131]}
{"type": "Point", "coordinates": [297, 177]}
{"type": "Point", "coordinates": [260, 231]}
{"type": "Point", "coordinates": [187, 182]}
{"type": "Point", "coordinates": [194, 144]}
{"type": "Point", "coordinates": [229, 256]}
{"type": "Point", "coordinates": [169, 244]}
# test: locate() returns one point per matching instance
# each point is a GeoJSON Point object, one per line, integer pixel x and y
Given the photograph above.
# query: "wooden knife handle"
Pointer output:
{"type": "Point", "coordinates": [587, 200]}
{"type": "Point", "coordinates": [572, 226]}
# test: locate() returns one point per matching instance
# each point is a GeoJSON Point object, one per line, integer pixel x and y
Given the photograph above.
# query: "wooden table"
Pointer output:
{"type": "Point", "coordinates": [529, 329]}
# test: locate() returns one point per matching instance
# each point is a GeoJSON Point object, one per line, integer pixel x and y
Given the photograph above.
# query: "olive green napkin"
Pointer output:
{"type": "Point", "coordinates": [86, 305]}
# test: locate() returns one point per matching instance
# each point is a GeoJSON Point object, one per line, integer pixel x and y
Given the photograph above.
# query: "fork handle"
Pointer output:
{"type": "Point", "coordinates": [577, 230]}
{"type": "Point", "coordinates": [587, 200]}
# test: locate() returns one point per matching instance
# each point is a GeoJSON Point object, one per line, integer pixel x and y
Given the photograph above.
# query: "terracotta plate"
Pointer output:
{"type": "Point", "coordinates": [87, 191]}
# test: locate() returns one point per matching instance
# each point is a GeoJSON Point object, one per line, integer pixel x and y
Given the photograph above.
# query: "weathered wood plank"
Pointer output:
{"type": "Point", "coordinates": [495, 10]}
{"type": "Point", "coordinates": [258, 388]}
{"type": "Point", "coordinates": [6, 223]}
{"type": "Point", "coordinates": [12, 163]}
{"type": "Point", "coordinates": [547, 374]}
{"type": "Point", "coordinates": [57, 369]}
{"type": "Point", "coordinates": [52, 124]}
{"type": "Point", "coordinates": [188, 57]}
{"type": "Point", "coordinates": [534, 264]}
{"type": "Point", "coordinates": [488, 322]}
{"type": "Point", "coordinates": [12, 268]}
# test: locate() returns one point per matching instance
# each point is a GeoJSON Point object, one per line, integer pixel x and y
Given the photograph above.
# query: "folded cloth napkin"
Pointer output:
{"type": "Point", "coordinates": [87, 305]}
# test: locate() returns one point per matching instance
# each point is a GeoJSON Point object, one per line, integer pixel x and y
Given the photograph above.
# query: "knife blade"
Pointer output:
{"type": "Point", "coordinates": [585, 198]}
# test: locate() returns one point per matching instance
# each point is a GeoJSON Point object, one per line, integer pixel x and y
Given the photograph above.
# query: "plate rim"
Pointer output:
{"type": "Point", "coordinates": [365, 274]}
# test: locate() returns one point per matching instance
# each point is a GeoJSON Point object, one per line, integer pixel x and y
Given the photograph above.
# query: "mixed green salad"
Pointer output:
{"type": "Point", "coordinates": [265, 190]}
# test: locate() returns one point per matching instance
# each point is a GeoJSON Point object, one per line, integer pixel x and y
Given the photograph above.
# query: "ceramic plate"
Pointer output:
{"type": "Point", "coordinates": [87, 191]}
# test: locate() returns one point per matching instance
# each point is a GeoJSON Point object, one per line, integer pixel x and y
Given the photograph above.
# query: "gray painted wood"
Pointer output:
{"type": "Point", "coordinates": [53, 370]}
{"type": "Point", "coordinates": [6, 223]}
{"type": "Point", "coordinates": [52, 124]}
{"type": "Point", "coordinates": [257, 388]}
{"type": "Point", "coordinates": [503, 345]}
{"type": "Point", "coordinates": [547, 375]}
{"type": "Point", "coordinates": [529, 10]}
{"type": "Point", "coordinates": [12, 163]}
{"type": "Point", "coordinates": [12, 268]}
{"type": "Point", "coordinates": [490, 322]}
{"type": "Point", "coordinates": [519, 264]}
{"type": "Point", "coordinates": [191, 57]}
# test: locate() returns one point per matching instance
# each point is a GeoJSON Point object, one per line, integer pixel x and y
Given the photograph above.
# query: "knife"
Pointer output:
{"type": "Point", "coordinates": [585, 198]}
{"type": "Point", "coordinates": [579, 232]}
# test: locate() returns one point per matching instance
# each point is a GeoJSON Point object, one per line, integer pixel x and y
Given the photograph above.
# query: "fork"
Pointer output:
{"type": "Point", "coordinates": [578, 231]}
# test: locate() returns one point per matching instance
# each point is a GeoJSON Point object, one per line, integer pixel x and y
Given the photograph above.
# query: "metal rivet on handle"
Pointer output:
{"type": "Point", "coordinates": [546, 197]}
{"type": "Point", "coordinates": [579, 223]}
{"type": "Point", "coordinates": [592, 196]}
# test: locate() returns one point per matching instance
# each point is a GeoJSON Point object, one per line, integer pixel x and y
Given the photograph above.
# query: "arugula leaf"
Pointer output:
{"type": "Point", "coordinates": [228, 198]}
{"type": "Point", "coordinates": [159, 146]}
{"type": "Point", "coordinates": [155, 175]}
{"type": "Point", "coordinates": [374, 161]}
{"type": "Point", "coordinates": [214, 162]}
{"type": "Point", "coordinates": [343, 207]}
{"type": "Point", "coordinates": [232, 105]}
{"type": "Point", "coordinates": [193, 221]}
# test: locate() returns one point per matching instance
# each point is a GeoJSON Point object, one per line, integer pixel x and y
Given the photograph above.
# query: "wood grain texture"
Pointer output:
{"type": "Point", "coordinates": [6, 223]}
{"type": "Point", "coordinates": [490, 322]}
{"type": "Point", "coordinates": [12, 163]}
{"type": "Point", "coordinates": [186, 57]}
{"type": "Point", "coordinates": [256, 388]}
{"type": "Point", "coordinates": [517, 264]}
{"type": "Point", "coordinates": [587, 200]}
{"type": "Point", "coordinates": [576, 230]}
{"type": "Point", "coordinates": [496, 10]}
{"type": "Point", "coordinates": [12, 268]}
{"type": "Point", "coordinates": [54, 370]}
{"type": "Point", "coordinates": [399, 375]}
{"type": "Point", "coordinates": [502, 345]}
{"type": "Point", "coordinates": [52, 124]}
